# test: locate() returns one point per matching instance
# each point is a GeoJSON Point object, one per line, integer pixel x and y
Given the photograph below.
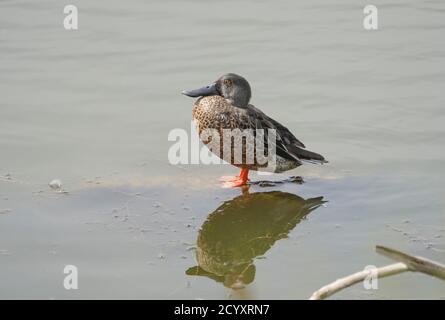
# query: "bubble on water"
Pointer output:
{"type": "Point", "coordinates": [55, 184]}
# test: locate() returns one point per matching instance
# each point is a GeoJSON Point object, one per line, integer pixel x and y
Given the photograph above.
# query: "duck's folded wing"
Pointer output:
{"type": "Point", "coordinates": [287, 145]}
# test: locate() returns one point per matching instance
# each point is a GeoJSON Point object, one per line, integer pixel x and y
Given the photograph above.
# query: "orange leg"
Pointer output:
{"type": "Point", "coordinates": [238, 181]}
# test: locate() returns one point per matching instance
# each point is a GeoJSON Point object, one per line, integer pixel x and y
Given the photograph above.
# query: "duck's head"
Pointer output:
{"type": "Point", "coordinates": [232, 87]}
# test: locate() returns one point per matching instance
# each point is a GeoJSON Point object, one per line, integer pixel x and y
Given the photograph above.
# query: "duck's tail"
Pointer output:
{"type": "Point", "coordinates": [310, 156]}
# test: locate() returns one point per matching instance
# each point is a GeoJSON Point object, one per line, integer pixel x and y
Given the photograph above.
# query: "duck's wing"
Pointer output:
{"type": "Point", "coordinates": [287, 145]}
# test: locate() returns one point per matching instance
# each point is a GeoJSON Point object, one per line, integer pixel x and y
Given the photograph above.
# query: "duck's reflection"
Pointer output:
{"type": "Point", "coordinates": [244, 228]}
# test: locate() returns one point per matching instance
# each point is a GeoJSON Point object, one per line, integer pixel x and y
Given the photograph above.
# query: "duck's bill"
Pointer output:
{"type": "Point", "coordinates": [209, 90]}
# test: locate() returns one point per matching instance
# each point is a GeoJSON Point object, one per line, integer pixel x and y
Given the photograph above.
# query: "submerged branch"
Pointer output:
{"type": "Point", "coordinates": [407, 263]}
{"type": "Point", "coordinates": [352, 279]}
{"type": "Point", "coordinates": [418, 264]}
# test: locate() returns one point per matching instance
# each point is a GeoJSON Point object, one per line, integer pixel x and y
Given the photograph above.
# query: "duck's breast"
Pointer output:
{"type": "Point", "coordinates": [214, 112]}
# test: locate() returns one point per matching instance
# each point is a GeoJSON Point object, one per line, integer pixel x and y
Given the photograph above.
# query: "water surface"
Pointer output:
{"type": "Point", "coordinates": [93, 107]}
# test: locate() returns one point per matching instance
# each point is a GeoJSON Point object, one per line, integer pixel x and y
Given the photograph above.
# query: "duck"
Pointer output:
{"type": "Point", "coordinates": [224, 107]}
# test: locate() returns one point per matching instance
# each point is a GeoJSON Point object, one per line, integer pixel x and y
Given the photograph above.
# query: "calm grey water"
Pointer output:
{"type": "Point", "coordinates": [93, 107]}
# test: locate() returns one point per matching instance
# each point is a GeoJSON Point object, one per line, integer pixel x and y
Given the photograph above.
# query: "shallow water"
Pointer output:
{"type": "Point", "coordinates": [94, 107]}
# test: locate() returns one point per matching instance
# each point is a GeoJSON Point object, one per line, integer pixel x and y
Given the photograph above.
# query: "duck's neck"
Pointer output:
{"type": "Point", "coordinates": [239, 98]}
{"type": "Point", "coordinates": [238, 102]}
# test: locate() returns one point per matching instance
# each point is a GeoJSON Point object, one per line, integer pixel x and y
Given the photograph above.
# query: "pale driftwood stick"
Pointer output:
{"type": "Point", "coordinates": [348, 281]}
{"type": "Point", "coordinates": [407, 263]}
{"type": "Point", "coordinates": [419, 264]}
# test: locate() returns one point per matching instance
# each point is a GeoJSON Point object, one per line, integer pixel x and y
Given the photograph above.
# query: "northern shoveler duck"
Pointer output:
{"type": "Point", "coordinates": [224, 104]}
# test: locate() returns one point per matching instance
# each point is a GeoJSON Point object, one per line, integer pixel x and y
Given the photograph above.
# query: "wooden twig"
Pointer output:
{"type": "Point", "coordinates": [352, 279]}
{"type": "Point", "coordinates": [418, 264]}
{"type": "Point", "coordinates": [407, 263]}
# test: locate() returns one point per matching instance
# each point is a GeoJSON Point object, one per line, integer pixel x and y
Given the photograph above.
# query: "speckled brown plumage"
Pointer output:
{"type": "Point", "coordinates": [214, 112]}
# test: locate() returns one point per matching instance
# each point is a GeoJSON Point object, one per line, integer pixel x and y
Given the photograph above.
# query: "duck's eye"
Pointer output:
{"type": "Point", "coordinates": [228, 82]}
